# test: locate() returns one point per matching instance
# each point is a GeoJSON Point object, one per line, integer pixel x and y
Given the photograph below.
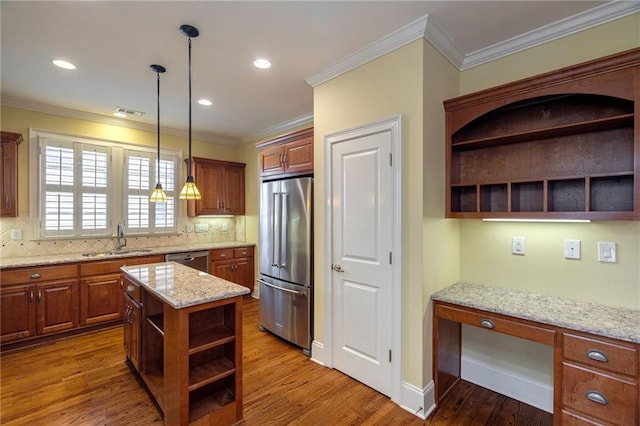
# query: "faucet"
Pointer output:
{"type": "Point", "coordinates": [120, 237]}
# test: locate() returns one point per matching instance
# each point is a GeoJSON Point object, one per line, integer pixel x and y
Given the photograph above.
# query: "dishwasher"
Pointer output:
{"type": "Point", "coordinates": [195, 259]}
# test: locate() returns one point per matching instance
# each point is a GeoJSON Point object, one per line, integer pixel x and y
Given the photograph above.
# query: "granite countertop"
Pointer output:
{"type": "Point", "coordinates": [601, 320]}
{"type": "Point", "coordinates": [16, 262]}
{"type": "Point", "coordinates": [180, 286]}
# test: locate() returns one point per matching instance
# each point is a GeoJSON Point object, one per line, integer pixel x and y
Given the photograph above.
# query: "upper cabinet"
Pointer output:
{"type": "Point", "coordinates": [9, 173]}
{"type": "Point", "coordinates": [221, 184]}
{"type": "Point", "coordinates": [562, 145]}
{"type": "Point", "coordinates": [291, 154]}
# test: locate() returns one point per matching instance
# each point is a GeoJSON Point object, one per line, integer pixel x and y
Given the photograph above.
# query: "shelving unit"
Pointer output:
{"type": "Point", "coordinates": [191, 360]}
{"type": "Point", "coordinates": [561, 145]}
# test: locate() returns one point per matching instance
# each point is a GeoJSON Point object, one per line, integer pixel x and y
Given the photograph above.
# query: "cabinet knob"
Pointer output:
{"type": "Point", "coordinates": [130, 289]}
{"type": "Point", "coordinates": [35, 276]}
{"type": "Point", "coordinates": [596, 355]}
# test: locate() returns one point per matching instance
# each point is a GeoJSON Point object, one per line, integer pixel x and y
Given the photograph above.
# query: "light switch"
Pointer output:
{"type": "Point", "coordinates": [16, 234]}
{"type": "Point", "coordinates": [606, 252]}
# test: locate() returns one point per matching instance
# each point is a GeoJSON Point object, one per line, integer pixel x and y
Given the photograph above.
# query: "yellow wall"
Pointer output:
{"type": "Point", "coordinates": [485, 255]}
{"type": "Point", "coordinates": [19, 120]}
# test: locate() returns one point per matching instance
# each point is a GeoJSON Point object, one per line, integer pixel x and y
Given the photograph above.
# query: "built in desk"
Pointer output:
{"type": "Point", "coordinates": [596, 347]}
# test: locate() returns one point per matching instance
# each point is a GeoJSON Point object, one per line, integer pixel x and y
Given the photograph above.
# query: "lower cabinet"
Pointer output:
{"type": "Point", "coordinates": [233, 264]}
{"type": "Point", "coordinates": [38, 301]}
{"type": "Point", "coordinates": [132, 343]}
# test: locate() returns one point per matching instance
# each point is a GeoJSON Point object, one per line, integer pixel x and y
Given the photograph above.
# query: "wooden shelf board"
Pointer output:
{"type": "Point", "coordinates": [551, 132]}
{"type": "Point", "coordinates": [622, 173]}
{"type": "Point", "coordinates": [156, 322]}
{"type": "Point", "coordinates": [210, 372]}
{"type": "Point", "coordinates": [202, 407]}
{"type": "Point", "coordinates": [155, 383]}
{"type": "Point", "coordinates": [210, 338]}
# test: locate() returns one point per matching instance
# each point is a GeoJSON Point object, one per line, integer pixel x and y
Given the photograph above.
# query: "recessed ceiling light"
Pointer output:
{"type": "Point", "coordinates": [262, 63]}
{"type": "Point", "coordinates": [205, 102]}
{"type": "Point", "coordinates": [63, 64]}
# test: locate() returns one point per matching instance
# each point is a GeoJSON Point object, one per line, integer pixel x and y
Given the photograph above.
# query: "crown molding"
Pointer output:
{"type": "Point", "coordinates": [303, 120]}
{"type": "Point", "coordinates": [389, 43]}
{"type": "Point", "coordinates": [113, 121]}
{"type": "Point", "coordinates": [562, 28]}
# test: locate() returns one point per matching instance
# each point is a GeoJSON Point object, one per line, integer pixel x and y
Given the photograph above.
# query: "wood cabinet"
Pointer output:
{"type": "Point", "coordinates": [38, 301]}
{"type": "Point", "coordinates": [233, 264]}
{"type": "Point", "coordinates": [291, 154]}
{"type": "Point", "coordinates": [132, 323]}
{"type": "Point", "coordinates": [599, 380]}
{"type": "Point", "coordinates": [9, 172]}
{"type": "Point", "coordinates": [190, 358]}
{"type": "Point", "coordinates": [101, 292]}
{"type": "Point", "coordinates": [221, 184]}
{"type": "Point", "coordinates": [596, 378]}
{"type": "Point", "coordinates": [562, 145]}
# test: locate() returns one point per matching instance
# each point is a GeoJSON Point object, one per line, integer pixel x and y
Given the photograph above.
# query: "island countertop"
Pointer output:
{"type": "Point", "coordinates": [594, 318]}
{"type": "Point", "coordinates": [181, 286]}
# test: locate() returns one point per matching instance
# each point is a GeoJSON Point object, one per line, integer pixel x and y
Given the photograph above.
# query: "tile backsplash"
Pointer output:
{"type": "Point", "coordinates": [223, 229]}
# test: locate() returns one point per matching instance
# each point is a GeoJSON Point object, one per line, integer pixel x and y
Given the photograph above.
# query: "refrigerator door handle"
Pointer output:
{"type": "Point", "coordinates": [274, 228]}
{"type": "Point", "coordinates": [283, 229]}
{"type": "Point", "coordinates": [279, 288]}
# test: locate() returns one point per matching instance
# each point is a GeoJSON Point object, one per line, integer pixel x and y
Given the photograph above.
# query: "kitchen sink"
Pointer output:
{"type": "Point", "coordinates": [115, 252]}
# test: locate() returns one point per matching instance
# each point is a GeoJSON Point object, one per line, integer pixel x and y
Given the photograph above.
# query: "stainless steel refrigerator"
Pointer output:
{"type": "Point", "coordinates": [285, 259]}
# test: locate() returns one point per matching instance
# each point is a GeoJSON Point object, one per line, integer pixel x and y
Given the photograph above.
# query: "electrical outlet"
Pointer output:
{"type": "Point", "coordinates": [225, 227]}
{"type": "Point", "coordinates": [202, 227]}
{"type": "Point", "coordinates": [189, 227]}
{"type": "Point", "coordinates": [607, 252]}
{"type": "Point", "coordinates": [518, 245]}
{"type": "Point", "coordinates": [572, 249]}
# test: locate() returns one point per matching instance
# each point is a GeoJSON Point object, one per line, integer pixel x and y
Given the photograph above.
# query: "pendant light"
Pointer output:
{"type": "Point", "coordinates": [158, 195]}
{"type": "Point", "coordinates": [189, 190]}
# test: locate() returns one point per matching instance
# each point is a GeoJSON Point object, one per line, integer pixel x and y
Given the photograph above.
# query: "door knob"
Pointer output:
{"type": "Point", "coordinates": [337, 268]}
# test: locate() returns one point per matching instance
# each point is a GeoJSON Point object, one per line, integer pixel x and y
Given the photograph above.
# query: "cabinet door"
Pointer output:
{"type": "Point", "coordinates": [210, 183]}
{"type": "Point", "coordinates": [57, 307]}
{"type": "Point", "coordinates": [9, 173]}
{"type": "Point", "coordinates": [271, 160]}
{"type": "Point", "coordinates": [298, 156]}
{"type": "Point", "coordinates": [17, 312]}
{"type": "Point", "coordinates": [132, 331]}
{"type": "Point", "coordinates": [100, 299]}
{"type": "Point", "coordinates": [244, 272]}
{"type": "Point", "coordinates": [234, 191]}
{"type": "Point", "coordinates": [223, 269]}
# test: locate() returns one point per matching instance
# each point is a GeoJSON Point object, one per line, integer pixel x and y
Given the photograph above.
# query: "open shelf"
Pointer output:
{"type": "Point", "coordinates": [210, 338]}
{"type": "Point", "coordinates": [156, 321]}
{"type": "Point", "coordinates": [210, 372]}
{"type": "Point", "coordinates": [216, 397]}
{"type": "Point", "coordinates": [560, 145]}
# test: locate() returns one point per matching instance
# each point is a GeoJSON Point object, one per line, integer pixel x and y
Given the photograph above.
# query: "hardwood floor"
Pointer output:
{"type": "Point", "coordinates": [85, 380]}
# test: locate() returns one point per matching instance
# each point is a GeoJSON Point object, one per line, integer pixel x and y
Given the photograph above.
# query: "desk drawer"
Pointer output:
{"type": "Point", "coordinates": [601, 354]}
{"type": "Point", "coordinates": [496, 323]}
{"type": "Point", "coordinates": [600, 396]}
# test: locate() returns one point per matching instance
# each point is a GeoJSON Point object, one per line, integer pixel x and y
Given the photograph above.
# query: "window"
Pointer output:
{"type": "Point", "coordinates": [86, 187]}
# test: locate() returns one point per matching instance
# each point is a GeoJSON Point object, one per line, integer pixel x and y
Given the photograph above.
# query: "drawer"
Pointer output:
{"type": "Point", "coordinates": [600, 396]}
{"type": "Point", "coordinates": [601, 354]}
{"type": "Point", "coordinates": [100, 267]}
{"type": "Point", "coordinates": [572, 419]}
{"type": "Point", "coordinates": [38, 274]}
{"type": "Point", "coordinates": [133, 290]}
{"type": "Point", "coordinates": [517, 328]}
{"type": "Point", "coordinates": [243, 252]}
{"type": "Point", "coordinates": [220, 254]}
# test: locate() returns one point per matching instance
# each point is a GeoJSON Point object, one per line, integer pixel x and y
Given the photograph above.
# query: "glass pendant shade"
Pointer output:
{"type": "Point", "coordinates": [189, 190]}
{"type": "Point", "coordinates": [158, 195]}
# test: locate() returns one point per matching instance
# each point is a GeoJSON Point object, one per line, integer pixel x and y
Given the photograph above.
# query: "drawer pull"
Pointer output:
{"type": "Point", "coordinates": [597, 397]}
{"type": "Point", "coordinates": [35, 276]}
{"type": "Point", "coordinates": [130, 289]}
{"type": "Point", "coordinates": [487, 324]}
{"type": "Point", "coordinates": [597, 356]}
{"type": "Point", "coordinates": [223, 255]}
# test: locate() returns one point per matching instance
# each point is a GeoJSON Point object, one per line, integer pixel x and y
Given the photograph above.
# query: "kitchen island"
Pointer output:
{"type": "Point", "coordinates": [183, 335]}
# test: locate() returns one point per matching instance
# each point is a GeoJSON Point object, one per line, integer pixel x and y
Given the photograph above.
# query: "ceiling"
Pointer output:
{"type": "Point", "coordinates": [112, 43]}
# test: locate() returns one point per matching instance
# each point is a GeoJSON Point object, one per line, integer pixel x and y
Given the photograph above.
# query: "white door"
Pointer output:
{"type": "Point", "coordinates": [362, 274]}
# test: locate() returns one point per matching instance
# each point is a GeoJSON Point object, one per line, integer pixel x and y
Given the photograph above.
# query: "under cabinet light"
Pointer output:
{"type": "Point", "coordinates": [536, 220]}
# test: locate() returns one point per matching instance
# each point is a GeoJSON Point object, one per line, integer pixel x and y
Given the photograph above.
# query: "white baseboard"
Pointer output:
{"type": "Point", "coordinates": [318, 354]}
{"type": "Point", "coordinates": [418, 402]}
{"type": "Point", "coordinates": [524, 389]}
